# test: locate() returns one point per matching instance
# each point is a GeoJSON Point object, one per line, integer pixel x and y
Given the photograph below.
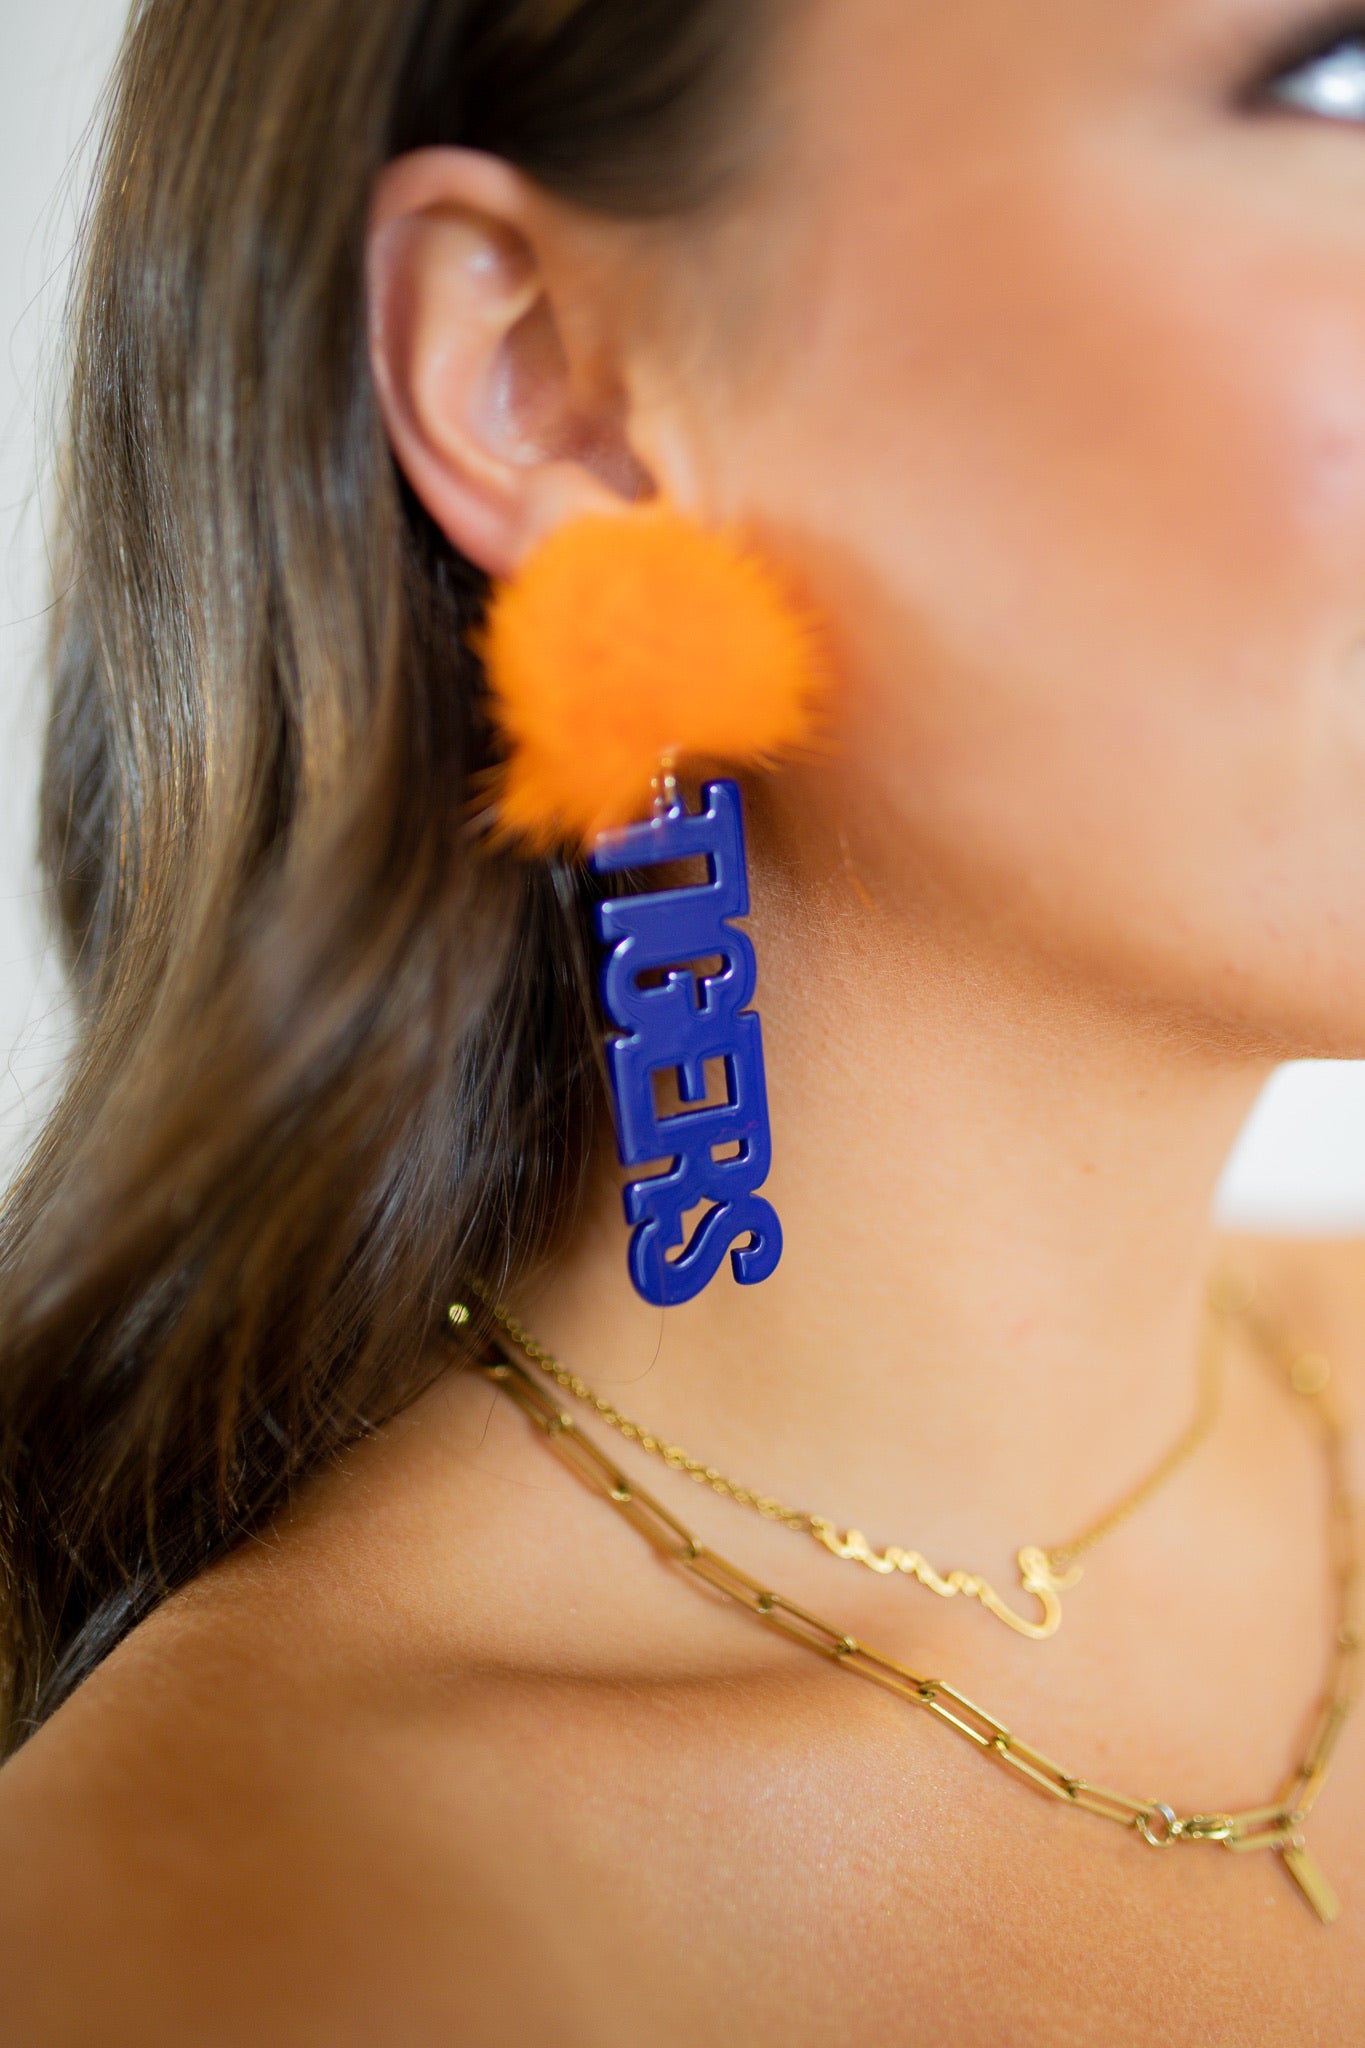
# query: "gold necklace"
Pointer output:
{"type": "Point", "coordinates": [1277, 1827]}
{"type": "Point", "coordinates": [1044, 1574]}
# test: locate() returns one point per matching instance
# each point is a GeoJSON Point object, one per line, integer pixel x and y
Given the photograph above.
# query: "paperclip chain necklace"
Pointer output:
{"type": "Point", "coordinates": [1277, 1827]}
{"type": "Point", "coordinates": [1043, 1574]}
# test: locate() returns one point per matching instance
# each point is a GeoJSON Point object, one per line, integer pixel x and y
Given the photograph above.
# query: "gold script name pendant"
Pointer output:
{"type": "Point", "coordinates": [1040, 1577]}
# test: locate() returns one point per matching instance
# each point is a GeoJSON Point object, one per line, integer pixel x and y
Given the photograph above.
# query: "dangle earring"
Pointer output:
{"type": "Point", "coordinates": [627, 646]}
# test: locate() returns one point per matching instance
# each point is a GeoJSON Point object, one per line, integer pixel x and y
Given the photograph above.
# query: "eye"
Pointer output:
{"type": "Point", "coordinates": [1329, 82]}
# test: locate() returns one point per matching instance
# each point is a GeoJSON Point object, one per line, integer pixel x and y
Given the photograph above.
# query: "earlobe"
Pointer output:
{"type": "Point", "coordinates": [473, 381]}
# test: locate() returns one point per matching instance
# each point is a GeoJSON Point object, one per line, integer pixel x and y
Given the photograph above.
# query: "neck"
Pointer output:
{"type": "Point", "coordinates": [995, 1188]}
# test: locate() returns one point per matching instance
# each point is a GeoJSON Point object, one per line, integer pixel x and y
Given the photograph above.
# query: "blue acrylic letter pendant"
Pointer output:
{"type": "Point", "coordinates": [677, 1011]}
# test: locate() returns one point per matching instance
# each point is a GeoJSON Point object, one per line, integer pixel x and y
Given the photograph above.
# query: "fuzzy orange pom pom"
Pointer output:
{"type": "Point", "coordinates": [629, 644]}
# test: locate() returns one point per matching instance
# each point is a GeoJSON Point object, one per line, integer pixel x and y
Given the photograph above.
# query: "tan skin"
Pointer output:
{"type": "Point", "coordinates": [1040, 353]}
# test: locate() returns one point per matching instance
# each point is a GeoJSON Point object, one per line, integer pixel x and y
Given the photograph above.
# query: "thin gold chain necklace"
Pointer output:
{"type": "Point", "coordinates": [1277, 1827]}
{"type": "Point", "coordinates": [1044, 1574]}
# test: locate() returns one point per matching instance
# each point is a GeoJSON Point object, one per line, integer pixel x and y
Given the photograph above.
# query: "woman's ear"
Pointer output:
{"type": "Point", "coordinates": [501, 433]}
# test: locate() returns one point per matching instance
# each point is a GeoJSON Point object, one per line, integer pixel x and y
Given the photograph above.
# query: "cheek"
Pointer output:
{"type": "Point", "coordinates": [1093, 519]}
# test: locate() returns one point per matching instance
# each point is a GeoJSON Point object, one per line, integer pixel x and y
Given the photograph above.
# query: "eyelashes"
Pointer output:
{"type": "Point", "coordinates": [1331, 86]}
{"type": "Point", "coordinates": [1323, 75]}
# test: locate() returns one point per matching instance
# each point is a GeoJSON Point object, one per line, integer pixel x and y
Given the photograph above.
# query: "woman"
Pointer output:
{"type": "Point", "coordinates": [1030, 343]}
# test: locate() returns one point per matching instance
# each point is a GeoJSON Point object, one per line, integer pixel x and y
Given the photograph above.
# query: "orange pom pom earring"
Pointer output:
{"type": "Point", "coordinates": [626, 646]}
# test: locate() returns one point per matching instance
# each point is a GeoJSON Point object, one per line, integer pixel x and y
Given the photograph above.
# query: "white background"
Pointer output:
{"type": "Point", "coordinates": [1301, 1165]}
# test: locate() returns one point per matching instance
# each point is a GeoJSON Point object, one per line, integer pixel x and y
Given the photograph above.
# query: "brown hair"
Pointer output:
{"type": "Point", "coordinates": [336, 1056]}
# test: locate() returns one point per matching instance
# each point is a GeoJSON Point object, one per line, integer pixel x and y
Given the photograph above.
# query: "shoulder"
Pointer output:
{"type": "Point", "coordinates": [329, 1792]}
{"type": "Point", "coordinates": [204, 1846]}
